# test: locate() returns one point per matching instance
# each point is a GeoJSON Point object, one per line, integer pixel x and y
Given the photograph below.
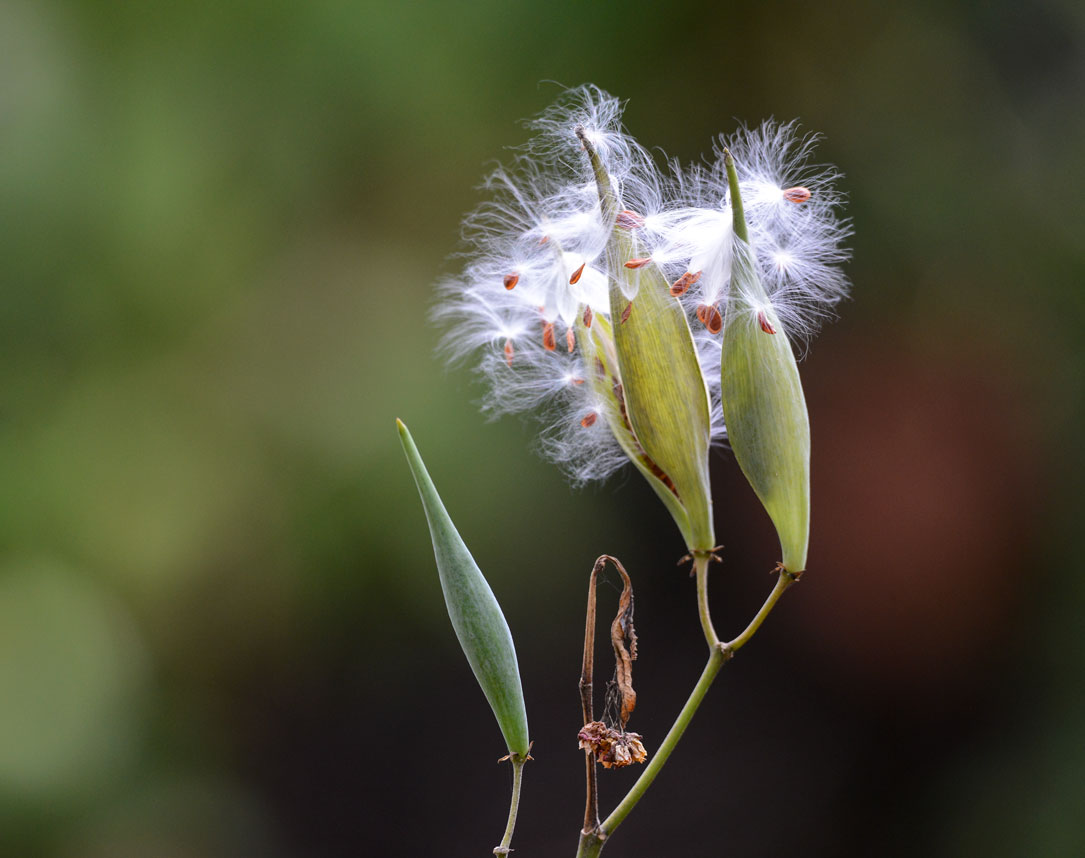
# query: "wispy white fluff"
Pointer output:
{"type": "Point", "coordinates": [536, 261]}
{"type": "Point", "coordinates": [792, 214]}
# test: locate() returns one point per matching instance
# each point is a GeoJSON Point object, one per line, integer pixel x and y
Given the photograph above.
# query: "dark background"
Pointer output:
{"type": "Point", "coordinates": [221, 632]}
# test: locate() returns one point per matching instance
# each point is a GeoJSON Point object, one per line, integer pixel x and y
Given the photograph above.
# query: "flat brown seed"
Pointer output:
{"type": "Point", "coordinates": [549, 343]}
{"type": "Point", "coordinates": [709, 315]}
{"type": "Point", "coordinates": [511, 280]}
{"type": "Point", "coordinates": [589, 420]}
{"type": "Point", "coordinates": [576, 275]}
{"type": "Point", "coordinates": [640, 262]}
{"type": "Point", "coordinates": [682, 284]}
{"type": "Point", "coordinates": [629, 219]}
{"type": "Point", "coordinates": [570, 340]}
{"type": "Point", "coordinates": [626, 312]}
{"type": "Point", "coordinates": [764, 322]}
{"type": "Point", "coordinates": [509, 352]}
{"type": "Point", "coordinates": [587, 317]}
{"type": "Point", "coordinates": [797, 194]}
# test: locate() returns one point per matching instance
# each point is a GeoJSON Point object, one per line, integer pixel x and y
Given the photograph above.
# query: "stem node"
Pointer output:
{"type": "Point", "coordinates": [514, 805]}
{"type": "Point", "coordinates": [592, 838]}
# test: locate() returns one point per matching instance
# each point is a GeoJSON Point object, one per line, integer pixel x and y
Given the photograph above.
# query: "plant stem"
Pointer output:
{"type": "Point", "coordinates": [700, 565]}
{"type": "Point", "coordinates": [514, 806]}
{"type": "Point", "coordinates": [785, 580]}
{"type": "Point", "coordinates": [587, 712]}
{"type": "Point", "coordinates": [592, 842]}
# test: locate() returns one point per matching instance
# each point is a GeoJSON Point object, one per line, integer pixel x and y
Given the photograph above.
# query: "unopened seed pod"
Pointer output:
{"type": "Point", "coordinates": [476, 616]}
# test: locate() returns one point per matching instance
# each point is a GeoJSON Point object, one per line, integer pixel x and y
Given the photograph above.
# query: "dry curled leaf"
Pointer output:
{"type": "Point", "coordinates": [613, 748]}
{"type": "Point", "coordinates": [623, 638]}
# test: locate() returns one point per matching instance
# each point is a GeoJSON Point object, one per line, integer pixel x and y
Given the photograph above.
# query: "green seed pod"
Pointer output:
{"type": "Point", "coordinates": [597, 345]}
{"type": "Point", "coordinates": [763, 403]}
{"type": "Point", "coordinates": [666, 399]}
{"type": "Point", "coordinates": [476, 616]}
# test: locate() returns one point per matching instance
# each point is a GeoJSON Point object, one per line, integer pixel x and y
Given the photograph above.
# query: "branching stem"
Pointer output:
{"type": "Point", "coordinates": [785, 580]}
{"type": "Point", "coordinates": [592, 842]}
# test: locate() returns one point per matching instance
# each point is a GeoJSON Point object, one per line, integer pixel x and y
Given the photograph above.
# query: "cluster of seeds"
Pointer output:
{"type": "Point", "coordinates": [538, 299]}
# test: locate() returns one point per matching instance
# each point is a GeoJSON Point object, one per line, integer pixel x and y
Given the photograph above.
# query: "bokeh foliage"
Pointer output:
{"type": "Point", "coordinates": [220, 631]}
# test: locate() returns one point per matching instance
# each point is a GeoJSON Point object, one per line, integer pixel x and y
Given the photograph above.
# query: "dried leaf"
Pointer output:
{"type": "Point", "coordinates": [615, 749]}
{"type": "Point", "coordinates": [623, 638]}
{"type": "Point", "coordinates": [612, 746]}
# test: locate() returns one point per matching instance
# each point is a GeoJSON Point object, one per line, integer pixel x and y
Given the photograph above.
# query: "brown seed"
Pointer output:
{"type": "Point", "coordinates": [570, 339]}
{"type": "Point", "coordinates": [797, 194]}
{"type": "Point", "coordinates": [544, 239]}
{"type": "Point", "coordinates": [629, 219]}
{"type": "Point", "coordinates": [625, 313]}
{"type": "Point", "coordinates": [576, 381]}
{"type": "Point", "coordinates": [682, 284]}
{"type": "Point", "coordinates": [638, 263]}
{"type": "Point", "coordinates": [764, 322]}
{"type": "Point", "coordinates": [549, 343]}
{"type": "Point", "coordinates": [589, 419]}
{"type": "Point", "coordinates": [509, 352]}
{"type": "Point", "coordinates": [587, 317]}
{"type": "Point", "coordinates": [576, 275]}
{"type": "Point", "coordinates": [511, 280]}
{"type": "Point", "coordinates": [710, 317]}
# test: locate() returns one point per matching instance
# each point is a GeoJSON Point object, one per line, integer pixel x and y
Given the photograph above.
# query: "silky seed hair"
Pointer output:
{"type": "Point", "coordinates": [535, 271]}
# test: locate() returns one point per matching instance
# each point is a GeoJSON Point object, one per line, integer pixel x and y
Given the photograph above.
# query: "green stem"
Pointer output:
{"type": "Point", "coordinates": [514, 806]}
{"type": "Point", "coordinates": [700, 564]}
{"type": "Point", "coordinates": [592, 842]}
{"type": "Point", "coordinates": [785, 580]}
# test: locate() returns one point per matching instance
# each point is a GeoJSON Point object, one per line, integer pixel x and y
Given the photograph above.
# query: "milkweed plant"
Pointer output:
{"type": "Point", "coordinates": [645, 315]}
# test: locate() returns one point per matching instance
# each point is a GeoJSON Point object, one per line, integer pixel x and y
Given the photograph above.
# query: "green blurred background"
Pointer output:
{"type": "Point", "coordinates": [220, 629]}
